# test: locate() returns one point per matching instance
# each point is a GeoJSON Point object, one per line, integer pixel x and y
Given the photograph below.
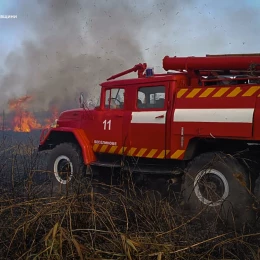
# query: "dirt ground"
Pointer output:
{"type": "Point", "coordinates": [97, 221]}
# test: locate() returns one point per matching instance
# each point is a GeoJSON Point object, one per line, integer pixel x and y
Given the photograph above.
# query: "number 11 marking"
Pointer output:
{"type": "Point", "coordinates": [105, 123]}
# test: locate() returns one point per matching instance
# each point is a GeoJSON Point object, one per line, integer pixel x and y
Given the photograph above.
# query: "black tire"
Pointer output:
{"type": "Point", "coordinates": [232, 201]}
{"type": "Point", "coordinates": [66, 156]}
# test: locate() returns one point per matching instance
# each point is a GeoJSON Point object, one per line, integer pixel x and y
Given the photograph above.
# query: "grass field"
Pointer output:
{"type": "Point", "coordinates": [104, 223]}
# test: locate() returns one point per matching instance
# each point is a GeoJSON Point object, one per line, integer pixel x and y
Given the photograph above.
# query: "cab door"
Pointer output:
{"type": "Point", "coordinates": [108, 122]}
{"type": "Point", "coordinates": [147, 126]}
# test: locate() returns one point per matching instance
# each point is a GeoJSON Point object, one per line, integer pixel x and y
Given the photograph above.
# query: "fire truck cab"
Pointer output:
{"type": "Point", "coordinates": [197, 124]}
{"type": "Point", "coordinates": [134, 118]}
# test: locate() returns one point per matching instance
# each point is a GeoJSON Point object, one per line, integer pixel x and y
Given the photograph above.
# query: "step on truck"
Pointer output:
{"type": "Point", "coordinates": [198, 123]}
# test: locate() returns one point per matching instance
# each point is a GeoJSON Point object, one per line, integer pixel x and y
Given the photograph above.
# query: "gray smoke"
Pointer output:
{"type": "Point", "coordinates": [75, 45]}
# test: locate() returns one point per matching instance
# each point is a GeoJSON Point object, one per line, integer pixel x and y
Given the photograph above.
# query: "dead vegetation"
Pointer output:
{"type": "Point", "coordinates": [112, 224]}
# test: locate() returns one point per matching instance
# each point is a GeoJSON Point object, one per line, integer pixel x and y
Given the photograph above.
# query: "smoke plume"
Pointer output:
{"type": "Point", "coordinates": [75, 46]}
{"type": "Point", "coordinates": [72, 46]}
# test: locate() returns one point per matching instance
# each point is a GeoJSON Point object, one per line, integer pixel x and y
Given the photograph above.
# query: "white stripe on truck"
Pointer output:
{"type": "Point", "coordinates": [214, 115]}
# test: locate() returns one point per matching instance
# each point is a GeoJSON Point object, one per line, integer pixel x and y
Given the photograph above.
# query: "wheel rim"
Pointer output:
{"type": "Point", "coordinates": [63, 169]}
{"type": "Point", "coordinates": [211, 187]}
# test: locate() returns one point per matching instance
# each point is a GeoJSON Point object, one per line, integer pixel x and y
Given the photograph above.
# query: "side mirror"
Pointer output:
{"type": "Point", "coordinates": [81, 100]}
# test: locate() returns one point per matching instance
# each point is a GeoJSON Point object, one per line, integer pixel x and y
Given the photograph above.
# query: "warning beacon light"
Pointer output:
{"type": "Point", "coordinates": [149, 72]}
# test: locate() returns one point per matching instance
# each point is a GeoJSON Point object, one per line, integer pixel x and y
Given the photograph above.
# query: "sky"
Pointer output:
{"type": "Point", "coordinates": [13, 34]}
{"type": "Point", "coordinates": [56, 49]}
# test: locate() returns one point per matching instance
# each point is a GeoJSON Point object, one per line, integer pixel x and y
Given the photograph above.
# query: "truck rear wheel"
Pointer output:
{"type": "Point", "coordinates": [66, 168]}
{"type": "Point", "coordinates": [216, 183]}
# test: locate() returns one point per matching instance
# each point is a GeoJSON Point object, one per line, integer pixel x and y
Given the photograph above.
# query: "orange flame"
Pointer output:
{"type": "Point", "coordinates": [55, 114]}
{"type": "Point", "coordinates": [25, 121]}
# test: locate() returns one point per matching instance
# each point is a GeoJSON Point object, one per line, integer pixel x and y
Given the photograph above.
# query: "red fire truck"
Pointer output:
{"type": "Point", "coordinates": [198, 123]}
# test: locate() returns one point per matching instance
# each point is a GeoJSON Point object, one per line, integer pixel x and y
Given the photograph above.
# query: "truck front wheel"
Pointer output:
{"type": "Point", "coordinates": [66, 167]}
{"type": "Point", "coordinates": [216, 183]}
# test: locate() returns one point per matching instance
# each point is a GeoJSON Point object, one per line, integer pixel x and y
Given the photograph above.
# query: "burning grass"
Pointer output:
{"type": "Point", "coordinates": [20, 118]}
{"type": "Point", "coordinates": [102, 222]}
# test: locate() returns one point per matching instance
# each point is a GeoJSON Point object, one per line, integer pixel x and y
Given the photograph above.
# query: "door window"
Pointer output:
{"type": "Point", "coordinates": [151, 97]}
{"type": "Point", "coordinates": [115, 98]}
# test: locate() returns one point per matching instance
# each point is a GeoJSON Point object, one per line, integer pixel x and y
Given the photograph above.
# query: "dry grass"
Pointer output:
{"type": "Point", "coordinates": [113, 224]}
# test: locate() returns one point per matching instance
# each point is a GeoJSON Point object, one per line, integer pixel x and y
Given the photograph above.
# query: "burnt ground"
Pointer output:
{"type": "Point", "coordinates": [19, 158]}
{"type": "Point", "coordinates": [104, 222]}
